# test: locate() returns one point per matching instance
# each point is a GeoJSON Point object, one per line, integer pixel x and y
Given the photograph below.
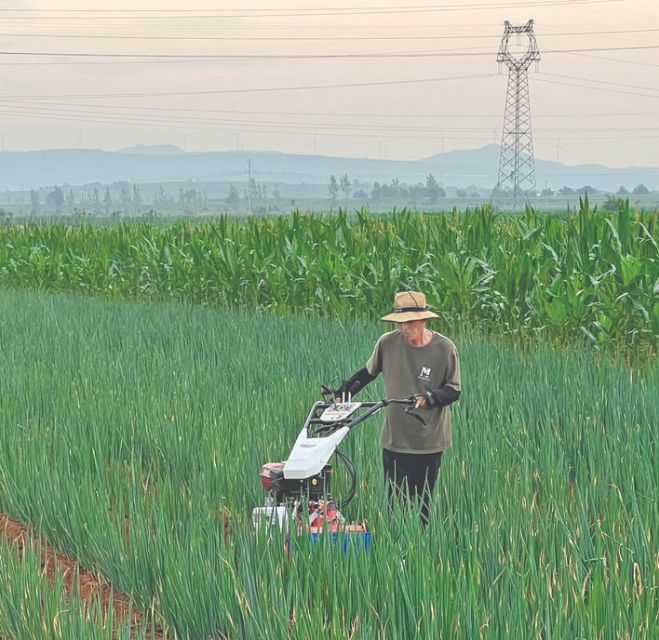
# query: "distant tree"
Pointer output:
{"type": "Point", "coordinates": [107, 201]}
{"type": "Point", "coordinates": [35, 204]}
{"type": "Point", "coordinates": [623, 192]}
{"type": "Point", "coordinates": [586, 190]}
{"type": "Point", "coordinates": [234, 196]}
{"type": "Point", "coordinates": [612, 203]}
{"type": "Point", "coordinates": [376, 191]}
{"type": "Point", "coordinates": [189, 199]}
{"type": "Point", "coordinates": [124, 199]}
{"type": "Point", "coordinates": [640, 189]}
{"type": "Point", "coordinates": [433, 188]}
{"type": "Point", "coordinates": [275, 193]}
{"type": "Point", "coordinates": [55, 201]}
{"type": "Point", "coordinates": [345, 185]}
{"type": "Point", "coordinates": [136, 199]}
{"type": "Point", "coordinates": [161, 200]}
{"type": "Point", "coordinates": [333, 189]}
{"type": "Point", "coordinates": [418, 190]}
{"type": "Point", "coordinates": [461, 193]}
{"type": "Point", "coordinates": [95, 202]}
{"type": "Point", "coordinates": [70, 200]}
{"type": "Point", "coordinates": [252, 190]}
{"type": "Point", "coordinates": [565, 191]}
{"type": "Point", "coordinates": [360, 194]}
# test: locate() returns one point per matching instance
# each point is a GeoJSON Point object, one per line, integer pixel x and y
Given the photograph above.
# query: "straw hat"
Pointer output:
{"type": "Point", "coordinates": [409, 305]}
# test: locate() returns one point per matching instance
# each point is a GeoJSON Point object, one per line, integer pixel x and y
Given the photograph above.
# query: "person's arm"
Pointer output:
{"type": "Point", "coordinates": [451, 388]}
{"type": "Point", "coordinates": [441, 397]}
{"type": "Point", "coordinates": [358, 380]}
{"type": "Point", "coordinates": [355, 383]}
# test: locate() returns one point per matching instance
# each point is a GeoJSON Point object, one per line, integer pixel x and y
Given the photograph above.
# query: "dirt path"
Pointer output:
{"type": "Point", "coordinates": [92, 586]}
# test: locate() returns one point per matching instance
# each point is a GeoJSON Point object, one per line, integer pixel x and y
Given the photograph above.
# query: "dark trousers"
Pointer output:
{"type": "Point", "coordinates": [412, 476]}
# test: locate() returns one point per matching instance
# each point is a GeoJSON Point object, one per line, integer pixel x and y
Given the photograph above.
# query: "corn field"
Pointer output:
{"type": "Point", "coordinates": [132, 434]}
{"type": "Point", "coordinates": [588, 277]}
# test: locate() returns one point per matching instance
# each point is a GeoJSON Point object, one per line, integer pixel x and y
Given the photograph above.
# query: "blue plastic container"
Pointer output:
{"type": "Point", "coordinates": [357, 540]}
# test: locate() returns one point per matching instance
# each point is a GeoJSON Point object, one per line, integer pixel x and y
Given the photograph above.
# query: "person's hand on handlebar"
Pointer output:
{"type": "Point", "coordinates": [420, 401]}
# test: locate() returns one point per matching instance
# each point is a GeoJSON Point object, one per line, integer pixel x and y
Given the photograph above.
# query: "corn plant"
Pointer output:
{"type": "Point", "coordinates": [588, 277]}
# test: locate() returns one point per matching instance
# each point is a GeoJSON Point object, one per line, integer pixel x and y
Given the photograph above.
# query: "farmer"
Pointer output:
{"type": "Point", "coordinates": [414, 361]}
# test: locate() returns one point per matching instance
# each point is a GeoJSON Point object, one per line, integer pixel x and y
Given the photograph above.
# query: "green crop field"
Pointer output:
{"type": "Point", "coordinates": [32, 607]}
{"type": "Point", "coordinates": [588, 277]}
{"type": "Point", "coordinates": [131, 432]}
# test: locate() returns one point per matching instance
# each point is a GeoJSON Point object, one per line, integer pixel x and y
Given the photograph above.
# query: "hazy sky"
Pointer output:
{"type": "Point", "coordinates": [599, 105]}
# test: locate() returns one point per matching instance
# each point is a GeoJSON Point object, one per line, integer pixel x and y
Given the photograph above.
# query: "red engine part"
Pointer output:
{"type": "Point", "coordinates": [324, 516]}
{"type": "Point", "coordinates": [267, 471]}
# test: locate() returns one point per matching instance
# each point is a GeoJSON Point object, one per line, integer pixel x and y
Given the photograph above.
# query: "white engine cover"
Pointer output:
{"type": "Point", "coordinates": [310, 455]}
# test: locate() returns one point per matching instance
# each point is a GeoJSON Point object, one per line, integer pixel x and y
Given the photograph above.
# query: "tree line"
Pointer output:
{"type": "Point", "coordinates": [127, 200]}
{"type": "Point", "coordinates": [431, 190]}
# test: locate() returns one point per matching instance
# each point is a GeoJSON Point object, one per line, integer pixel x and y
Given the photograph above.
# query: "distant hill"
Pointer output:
{"type": "Point", "coordinates": [167, 163]}
{"type": "Point", "coordinates": [153, 149]}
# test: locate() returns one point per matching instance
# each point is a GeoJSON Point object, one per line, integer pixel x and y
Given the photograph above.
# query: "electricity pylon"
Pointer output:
{"type": "Point", "coordinates": [516, 168]}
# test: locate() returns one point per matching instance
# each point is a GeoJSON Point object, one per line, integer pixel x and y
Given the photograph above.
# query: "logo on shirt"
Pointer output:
{"type": "Point", "coordinates": [425, 374]}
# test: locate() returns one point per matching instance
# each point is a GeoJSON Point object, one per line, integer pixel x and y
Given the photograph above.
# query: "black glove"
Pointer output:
{"type": "Point", "coordinates": [355, 383]}
{"type": "Point", "coordinates": [441, 397]}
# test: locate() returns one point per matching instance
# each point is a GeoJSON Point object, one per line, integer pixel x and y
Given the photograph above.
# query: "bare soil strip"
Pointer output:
{"type": "Point", "coordinates": [78, 581]}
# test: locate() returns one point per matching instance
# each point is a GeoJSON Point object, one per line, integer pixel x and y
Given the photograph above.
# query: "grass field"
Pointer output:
{"type": "Point", "coordinates": [131, 431]}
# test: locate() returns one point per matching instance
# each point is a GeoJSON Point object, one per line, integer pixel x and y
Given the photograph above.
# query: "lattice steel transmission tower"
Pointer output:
{"type": "Point", "coordinates": [516, 168]}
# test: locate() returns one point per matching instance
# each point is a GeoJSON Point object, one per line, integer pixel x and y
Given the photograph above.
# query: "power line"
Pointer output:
{"type": "Point", "coordinates": [606, 85]}
{"type": "Point", "coordinates": [199, 126]}
{"type": "Point", "coordinates": [167, 125]}
{"type": "Point", "coordinates": [145, 94]}
{"type": "Point", "coordinates": [306, 56]}
{"type": "Point", "coordinates": [265, 56]}
{"type": "Point", "coordinates": [244, 38]}
{"type": "Point", "coordinates": [595, 80]}
{"type": "Point", "coordinates": [285, 56]}
{"type": "Point", "coordinates": [78, 112]}
{"type": "Point", "coordinates": [316, 12]}
{"type": "Point", "coordinates": [470, 36]}
{"type": "Point", "coordinates": [210, 25]}
{"type": "Point", "coordinates": [290, 88]}
{"type": "Point", "coordinates": [634, 62]}
{"type": "Point", "coordinates": [186, 119]}
{"type": "Point", "coordinates": [325, 114]}
{"type": "Point", "coordinates": [608, 89]}
{"type": "Point", "coordinates": [430, 7]}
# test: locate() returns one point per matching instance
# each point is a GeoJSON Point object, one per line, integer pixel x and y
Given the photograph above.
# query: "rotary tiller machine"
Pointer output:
{"type": "Point", "coordinates": [299, 496]}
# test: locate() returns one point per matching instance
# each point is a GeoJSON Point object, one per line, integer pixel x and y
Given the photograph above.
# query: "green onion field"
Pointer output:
{"type": "Point", "coordinates": [148, 372]}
